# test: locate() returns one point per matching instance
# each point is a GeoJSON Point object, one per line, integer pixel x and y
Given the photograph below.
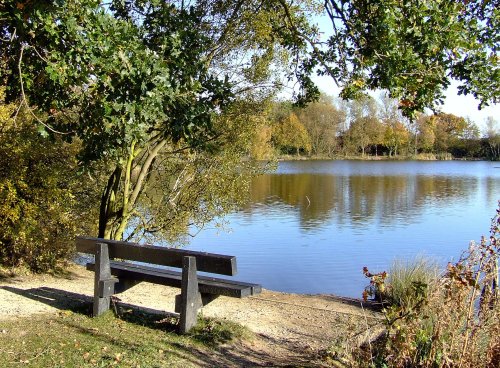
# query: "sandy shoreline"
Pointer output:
{"type": "Point", "coordinates": [292, 322]}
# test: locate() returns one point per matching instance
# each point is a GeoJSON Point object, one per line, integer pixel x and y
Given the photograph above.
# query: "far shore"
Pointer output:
{"type": "Point", "coordinates": [419, 157]}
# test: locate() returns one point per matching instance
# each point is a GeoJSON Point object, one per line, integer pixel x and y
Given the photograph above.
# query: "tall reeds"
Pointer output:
{"type": "Point", "coordinates": [448, 320]}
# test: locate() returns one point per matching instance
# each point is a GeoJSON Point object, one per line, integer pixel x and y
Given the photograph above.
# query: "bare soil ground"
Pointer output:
{"type": "Point", "coordinates": [290, 329]}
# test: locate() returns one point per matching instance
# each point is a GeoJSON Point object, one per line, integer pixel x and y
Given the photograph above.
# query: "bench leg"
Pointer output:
{"type": "Point", "coordinates": [103, 282]}
{"type": "Point", "coordinates": [189, 295]}
{"type": "Point", "coordinates": [201, 300]}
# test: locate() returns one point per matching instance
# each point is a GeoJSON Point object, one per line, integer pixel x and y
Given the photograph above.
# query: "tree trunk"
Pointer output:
{"type": "Point", "coordinates": [122, 192]}
{"type": "Point", "coordinates": [108, 203]}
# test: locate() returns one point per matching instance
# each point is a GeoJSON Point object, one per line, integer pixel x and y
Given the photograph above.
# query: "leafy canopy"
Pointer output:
{"type": "Point", "coordinates": [110, 81]}
{"type": "Point", "coordinates": [413, 49]}
{"type": "Point", "coordinates": [143, 83]}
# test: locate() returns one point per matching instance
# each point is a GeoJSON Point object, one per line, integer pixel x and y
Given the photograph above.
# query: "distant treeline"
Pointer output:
{"type": "Point", "coordinates": [370, 127]}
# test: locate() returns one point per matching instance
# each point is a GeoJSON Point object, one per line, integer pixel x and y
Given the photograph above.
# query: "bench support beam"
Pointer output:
{"type": "Point", "coordinates": [125, 284]}
{"type": "Point", "coordinates": [201, 300]}
{"type": "Point", "coordinates": [189, 295]}
{"type": "Point", "coordinates": [104, 283]}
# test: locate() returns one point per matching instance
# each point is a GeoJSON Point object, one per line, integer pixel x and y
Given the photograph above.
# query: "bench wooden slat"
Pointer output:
{"type": "Point", "coordinates": [206, 284]}
{"type": "Point", "coordinates": [207, 262]}
{"type": "Point", "coordinates": [200, 277]}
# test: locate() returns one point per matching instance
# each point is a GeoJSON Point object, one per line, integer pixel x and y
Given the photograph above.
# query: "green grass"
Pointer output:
{"type": "Point", "coordinates": [72, 339]}
{"type": "Point", "coordinates": [214, 332]}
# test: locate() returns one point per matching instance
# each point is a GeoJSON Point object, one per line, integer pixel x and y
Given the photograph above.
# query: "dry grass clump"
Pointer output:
{"type": "Point", "coordinates": [408, 280]}
{"type": "Point", "coordinates": [447, 321]}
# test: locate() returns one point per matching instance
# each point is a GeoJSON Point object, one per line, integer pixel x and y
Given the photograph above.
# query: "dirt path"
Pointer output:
{"type": "Point", "coordinates": [290, 328]}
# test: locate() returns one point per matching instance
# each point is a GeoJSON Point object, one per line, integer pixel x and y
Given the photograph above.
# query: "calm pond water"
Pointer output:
{"type": "Point", "coordinates": [311, 226]}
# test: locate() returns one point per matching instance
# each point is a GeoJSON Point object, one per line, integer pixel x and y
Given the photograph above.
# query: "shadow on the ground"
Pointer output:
{"type": "Point", "coordinates": [278, 353]}
{"type": "Point", "coordinates": [261, 351]}
{"type": "Point", "coordinates": [81, 303]}
{"type": "Point", "coordinates": [59, 299]}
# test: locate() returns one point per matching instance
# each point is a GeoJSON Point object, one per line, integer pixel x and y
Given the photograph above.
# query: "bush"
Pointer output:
{"type": "Point", "coordinates": [43, 203]}
{"type": "Point", "coordinates": [450, 322]}
{"type": "Point", "coordinates": [405, 285]}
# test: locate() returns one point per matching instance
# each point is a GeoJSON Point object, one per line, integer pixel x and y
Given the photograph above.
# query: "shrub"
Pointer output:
{"type": "Point", "coordinates": [455, 322]}
{"type": "Point", "coordinates": [406, 283]}
{"type": "Point", "coordinates": [43, 203]}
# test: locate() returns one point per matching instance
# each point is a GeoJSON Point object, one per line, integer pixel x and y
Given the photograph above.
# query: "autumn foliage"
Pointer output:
{"type": "Point", "coordinates": [39, 212]}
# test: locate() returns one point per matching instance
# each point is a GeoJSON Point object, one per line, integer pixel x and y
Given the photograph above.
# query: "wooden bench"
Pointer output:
{"type": "Point", "coordinates": [113, 274]}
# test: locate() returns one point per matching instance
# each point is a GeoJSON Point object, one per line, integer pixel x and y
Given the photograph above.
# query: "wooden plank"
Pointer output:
{"type": "Point", "coordinates": [207, 285]}
{"type": "Point", "coordinates": [210, 285]}
{"type": "Point", "coordinates": [206, 262]}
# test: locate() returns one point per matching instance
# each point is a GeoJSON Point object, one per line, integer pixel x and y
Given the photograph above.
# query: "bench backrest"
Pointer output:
{"type": "Point", "coordinates": [207, 262]}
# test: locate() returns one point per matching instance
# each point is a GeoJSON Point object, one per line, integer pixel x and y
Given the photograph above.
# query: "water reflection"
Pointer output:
{"type": "Point", "coordinates": [355, 200]}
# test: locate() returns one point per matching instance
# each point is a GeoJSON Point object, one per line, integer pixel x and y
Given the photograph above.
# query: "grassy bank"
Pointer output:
{"type": "Point", "coordinates": [72, 339]}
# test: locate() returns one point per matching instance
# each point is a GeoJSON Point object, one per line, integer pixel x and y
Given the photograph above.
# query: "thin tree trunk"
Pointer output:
{"type": "Point", "coordinates": [115, 215]}
{"type": "Point", "coordinates": [108, 200]}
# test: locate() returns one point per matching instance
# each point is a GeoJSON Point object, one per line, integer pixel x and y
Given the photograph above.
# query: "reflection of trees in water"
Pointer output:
{"type": "Point", "coordinates": [491, 187]}
{"type": "Point", "coordinates": [359, 199]}
{"type": "Point", "coordinates": [314, 196]}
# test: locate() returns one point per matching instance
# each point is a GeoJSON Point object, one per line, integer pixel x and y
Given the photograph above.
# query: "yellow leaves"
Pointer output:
{"type": "Point", "coordinates": [6, 111]}
{"type": "Point", "coordinates": [360, 83]}
{"type": "Point", "coordinates": [9, 207]}
{"type": "Point", "coordinates": [290, 133]}
{"type": "Point", "coordinates": [261, 148]}
{"type": "Point", "coordinates": [36, 194]}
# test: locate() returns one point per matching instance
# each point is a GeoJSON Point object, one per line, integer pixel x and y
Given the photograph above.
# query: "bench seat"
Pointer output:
{"type": "Point", "coordinates": [156, 275]}
{"type": "Point", "coordinates": [120, 265]}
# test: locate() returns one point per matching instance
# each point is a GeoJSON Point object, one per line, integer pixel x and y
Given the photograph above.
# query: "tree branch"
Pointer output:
{"type": "Point", "coordinates": [23, 95]}
{"type": "Point", "coordinates": [316, 50]}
